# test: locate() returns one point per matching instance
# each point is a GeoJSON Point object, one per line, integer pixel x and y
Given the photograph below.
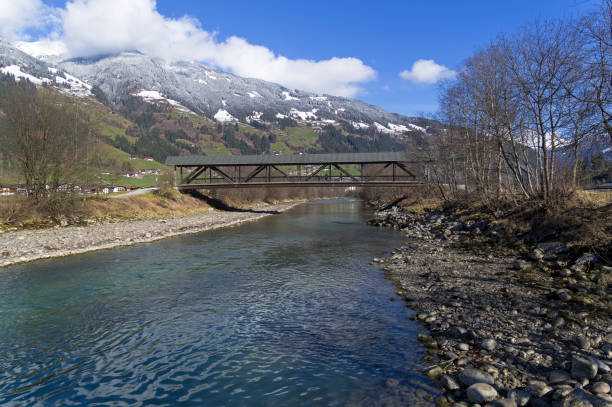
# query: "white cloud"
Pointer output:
{"type": "Point", "coordinates": [90, 27]}
{"type": "Point", "coordinates": [427, 71]}
{"type": "Point", "coordinates": [17, 16]}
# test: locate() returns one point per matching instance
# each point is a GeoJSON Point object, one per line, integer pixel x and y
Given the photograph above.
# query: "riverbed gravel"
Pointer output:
{"type": "Point", "coordinates": [504, 329]}
{"type": "Point", "coordinates": [29, 245]}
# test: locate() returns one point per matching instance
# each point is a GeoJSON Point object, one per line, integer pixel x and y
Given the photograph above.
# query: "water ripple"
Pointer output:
{"type": "Point", "coordinates": [285, 311]}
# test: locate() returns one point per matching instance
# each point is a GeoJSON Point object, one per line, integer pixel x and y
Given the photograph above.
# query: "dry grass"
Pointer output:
{"type": "Point", "coordinates": [22, 213]}
{"type": "Point", "coordinates": [422, 205]}
{"type": "Point", "coordinates": [147, 206]}
{"type": "Point", "coordinates": [581, 219]}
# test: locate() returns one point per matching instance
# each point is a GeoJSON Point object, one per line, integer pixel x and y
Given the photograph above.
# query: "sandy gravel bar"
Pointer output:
{"type": "Point", "coordinates": [28, 245]}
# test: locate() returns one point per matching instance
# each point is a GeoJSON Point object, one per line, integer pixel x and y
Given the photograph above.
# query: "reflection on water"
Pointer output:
{"type": "Point", "coordinates": [284, 311]}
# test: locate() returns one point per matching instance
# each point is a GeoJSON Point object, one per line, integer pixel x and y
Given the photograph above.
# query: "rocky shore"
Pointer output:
{"type": "Point", "coordinates": [28, 245]}
{"type": "Point", "coordinates": [530, 326]}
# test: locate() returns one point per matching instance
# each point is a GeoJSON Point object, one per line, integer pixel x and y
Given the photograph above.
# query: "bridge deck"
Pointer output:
{"type": "Point", "coordinates": [256, 171]}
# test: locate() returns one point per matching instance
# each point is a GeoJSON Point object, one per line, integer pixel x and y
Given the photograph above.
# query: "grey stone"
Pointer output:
{"type": "Point", "coordinates": [392, 383]}
{"type": "Point", "coordinates": [488, 344]}
{"type": "Point", "coordinates": [451, 355]}
{"type": "Point", "coordinates": [481, 393]}
{"type": "Point", "coordinates": [538, 388]}
{"type": "Point", "coordinates": [521, 265]}
{"type": "Point", "coordinates": [502, 403]}
{"type": "Point", "coordinates": [558, 376]}
{"type": "Point", "coordinates": [434, 372]}
{"type": "Point", "coordinates": [600, 387]}
{"type": "Point", "coordinates": [550, 246]}
{"type": "Point", "coordinates": [602, 367]}
{"type": "Point", "coordinates": [470, 376]}
{"type": "Point", "coordinates": [449, 383]}
{"type": "Point", "coordinates": [562, 390]}
{"type": "Point", "coordinates": [519, 396]}
{"type": "Point", "coordinates": [536, 255]}
{"type": "Point", "coordinates": [580, 398]}
{"type": "Point", "coordinates": [583, 368]}
{"type": "Point", "coordinates": [558, 322]}
{"type": "Point", "coordinates": [584, 261]}
{"type": "Point", "coordinates": [581, 342]}
{"type": "Point", "coordinates": [458, 331]}
{"type": "Point", "coordinates": [463, 347]}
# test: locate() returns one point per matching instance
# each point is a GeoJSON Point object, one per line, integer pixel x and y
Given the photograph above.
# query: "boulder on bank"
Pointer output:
{"type": "Point", "coordinates": [481, 393]}
{"type": "Point", "coordinates": [471, 376]}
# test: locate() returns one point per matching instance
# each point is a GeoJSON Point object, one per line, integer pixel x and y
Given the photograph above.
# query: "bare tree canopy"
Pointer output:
{"type": "Point", "coordinates": [45, 135]}
{"type": "Point", "coordinates": [520, 110]}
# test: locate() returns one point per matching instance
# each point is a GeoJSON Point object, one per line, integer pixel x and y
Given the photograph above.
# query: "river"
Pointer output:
{"type": "Point", "coordinates": [285, 311]}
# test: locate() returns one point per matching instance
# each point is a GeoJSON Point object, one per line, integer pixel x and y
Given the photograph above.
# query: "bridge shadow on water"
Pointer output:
{"type": "Point", "coordinates": [222, 206]}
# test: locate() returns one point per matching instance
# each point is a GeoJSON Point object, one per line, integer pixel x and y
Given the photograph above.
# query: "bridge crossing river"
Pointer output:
{"type": "Point", "coordinates": [388, 169]}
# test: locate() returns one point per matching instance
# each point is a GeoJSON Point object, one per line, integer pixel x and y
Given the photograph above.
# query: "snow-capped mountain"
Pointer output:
{"type": "Point", "coordinates": [23, 66]}
{"type": "Point", "coordinates": [225, 96]}
{"type": "Point", "coordinates": [190, 85]}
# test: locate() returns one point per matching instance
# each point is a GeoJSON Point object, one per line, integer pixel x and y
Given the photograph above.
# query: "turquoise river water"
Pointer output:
{"type": "Point", "coordinates": [285, 311]}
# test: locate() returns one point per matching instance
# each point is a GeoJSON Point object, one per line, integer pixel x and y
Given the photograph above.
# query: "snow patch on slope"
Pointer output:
{"type": "Point", "coordinates": [360, 125]}
{"type": "Point", "coordinates": [287, 96]}
{"type": "Point", "coordinates": [382, 128]}
{"type": "Point", "coordinates": [223, 116]}
{"type": "Point", "coordinates": [254, 94]}
{"type": "Point", "coordinates": [303, 115]}
{"type": "Point", "coordinates": [418, 128]}
{"type": "Point", "coordinates": [153, 96]}
{"type": "Point", "coordinates": [397, 128]}
{"type": "Point", "coordinates": [69, 85]}
{"type": "Point", "coordinates": [16, 71]}
{"type": "Point", "coordinates": [77, 86]}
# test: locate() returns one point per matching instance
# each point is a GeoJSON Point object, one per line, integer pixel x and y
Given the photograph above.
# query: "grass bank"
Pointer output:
{"type": "Point", "coordinates": [20, 213]}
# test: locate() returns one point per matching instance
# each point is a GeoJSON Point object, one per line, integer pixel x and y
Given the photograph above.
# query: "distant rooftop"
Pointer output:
{"type": "Point", "coordinates": [294, 159]}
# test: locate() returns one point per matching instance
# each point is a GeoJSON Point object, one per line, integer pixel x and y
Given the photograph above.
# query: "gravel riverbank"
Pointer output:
{"type": "Point", "coordinates": [28, 245]}
{"type": "Point", "coordinates": [505, 331]}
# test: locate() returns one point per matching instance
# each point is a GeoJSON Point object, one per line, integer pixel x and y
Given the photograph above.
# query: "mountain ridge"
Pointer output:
{"type": "Point", "coordinates": [209, 91]}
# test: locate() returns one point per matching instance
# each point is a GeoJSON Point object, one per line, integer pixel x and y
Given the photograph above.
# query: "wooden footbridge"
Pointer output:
{"type": "Point", "coordinates": [395, 169]}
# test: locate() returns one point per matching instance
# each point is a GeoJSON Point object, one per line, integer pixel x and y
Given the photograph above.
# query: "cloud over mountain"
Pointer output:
{"type": "Point", "coordinates": [427, 71]}
{"type": "Point", "coordinates": [92, 27]}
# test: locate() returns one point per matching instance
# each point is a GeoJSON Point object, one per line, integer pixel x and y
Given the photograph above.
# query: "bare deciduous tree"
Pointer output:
{"type": "Point", "coordinates": [45, 136]}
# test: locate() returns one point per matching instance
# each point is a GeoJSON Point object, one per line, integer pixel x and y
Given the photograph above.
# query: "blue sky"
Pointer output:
{"type": "Point", "coordinates": [386, 37]}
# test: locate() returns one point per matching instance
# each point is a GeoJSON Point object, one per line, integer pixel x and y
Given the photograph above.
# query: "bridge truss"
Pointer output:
{"type": "Point", "coordinates": [395, 169]}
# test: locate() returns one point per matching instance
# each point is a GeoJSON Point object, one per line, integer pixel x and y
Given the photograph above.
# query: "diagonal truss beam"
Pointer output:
{"type": "Point", "coordinates": [342, 170]}
{"type": "Point", "coordinates": [406, 170]}
{"type": "Point", "coordinates": [377, 173]}
{"type": "Point", "coordinates": [254, 173]}
{"type": "Point", "coordinates": [281, 171]}
{"type": "Point", "coordinates": [322, 167]}
{"type": "Point", "coordinates": [223, 174]}
{"type": "Point", "coordinates": [194, 174]}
